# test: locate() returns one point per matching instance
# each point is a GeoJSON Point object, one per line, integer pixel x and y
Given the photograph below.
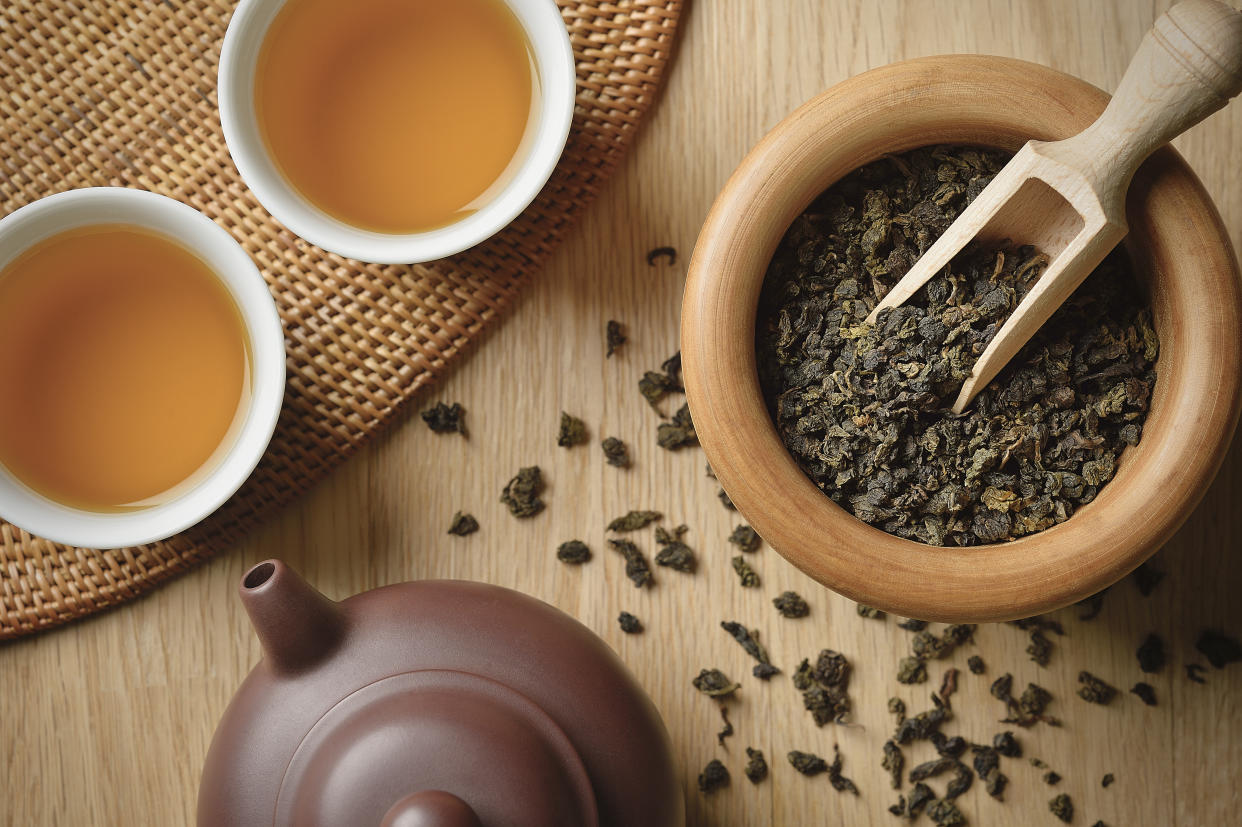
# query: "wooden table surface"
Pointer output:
{"type": "Point", "coordinates": [107, 721]}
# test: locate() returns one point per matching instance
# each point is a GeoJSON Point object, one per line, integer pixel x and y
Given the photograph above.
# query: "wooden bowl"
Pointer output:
{"type": "Point", "coordinates": [1178, 245]}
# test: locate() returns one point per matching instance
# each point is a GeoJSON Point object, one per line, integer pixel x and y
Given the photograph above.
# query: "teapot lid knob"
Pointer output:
{"type": "Point", "coordinates": [431, 808]}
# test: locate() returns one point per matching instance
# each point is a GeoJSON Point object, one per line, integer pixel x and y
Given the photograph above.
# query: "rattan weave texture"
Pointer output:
{"type": "Point", "coordinates": [122, 93]}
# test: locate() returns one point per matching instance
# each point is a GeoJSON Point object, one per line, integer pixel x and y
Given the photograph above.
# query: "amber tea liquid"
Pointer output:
{"type": "Point", "coordinates": [125, 365]}
{"type": "Point", "coordinates": [396, 116]}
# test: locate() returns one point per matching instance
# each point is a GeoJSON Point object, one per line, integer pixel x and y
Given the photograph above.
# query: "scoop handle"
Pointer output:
{"type": "Point", "coordinates": [1188, 66]}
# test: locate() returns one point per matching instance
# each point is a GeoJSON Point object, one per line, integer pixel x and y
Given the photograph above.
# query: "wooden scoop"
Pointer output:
{"type": "Point", "coordinates": [1067, 198]}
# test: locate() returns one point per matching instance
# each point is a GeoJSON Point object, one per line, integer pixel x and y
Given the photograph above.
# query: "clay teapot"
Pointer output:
{"type": "Point", "coordinates": [432, 704]}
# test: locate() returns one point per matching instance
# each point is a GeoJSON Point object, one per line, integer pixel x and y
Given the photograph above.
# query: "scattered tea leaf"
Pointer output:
{"type": "Point", "coordinates": [1040, 648]}
{"type": "Point", "coordinates": [522, 492]}
{"type": "Point", "coordinates": [573, 552]}
{"type": "Point", "coordinates": [634, 520]}
{"type": "Point", "coordinates": [1091, 606]}
{"type": "Point", "coordinates": [748, 577]}
{"type": "Point", "coordinates": [714, 683]}
{"type": "Point", "coordinates": [1146, 578]}
{"type": "Point", "coordinates": [1145, 692]}
{"type": "Point", "coordinates": [727, 729]}
{"type": "Point", "coordinates": [725, 501]}
{"type": "Point", "coordinates": [791, 605]}
{"type": "Point", "coordinates": [912, 625]}
{"type": "Point", "coordinates": [894, 762]}
{"type": "Point", "coordinates": [802, 676]}
{"type": "Point", "coordinates": [1062, 808]}
{"type": "Point", "coordinates": [679, 433]}
{"type": "Point", "coordinates": [669, 253]}
{"type": "Point", "coordinates": [868, 611]}
{"type": "Point", "coordinates": [921, 726]}
{"type": "Point", "coordinates": [614, 336]}
{"type": "Point", "coordinates": [1150, 654]}
{"type": "Point", "coordinates": [713, 777]}
{"type": "Point", "coordinates": [911, 670]}
{"type": "Point", "coordinates": [616, 452]}
{"type": "Point", "coordinates": [445, 419]}
{"type": "Point", "coordinates": [1107, 780]}
{"type": "Point", "coordinates": [673, 553]}
{"type": "Point", "coordinates": [948, 685]}
{"type": "Point", "coordinates": [463, 524]}
{"type": "Point", "coordinates": [1007, 745]}
{"type": "Point", "coordinates": [636, 567]}
{"type": "Point", "coordinates": [975, 664]}
{"type": "Point", "coordinates": [838, 781]}
{"type": "Point", "coordinates": [748, 639]}
{"type": "Point", "coordinates": [1194, 671]}
{"type": "Point", "coordinates": [944, 813]}
{"type": "Point", "coordinates": [897, 707]}
{"type": "Point", "coordinates": [572, 432]}
{"type": "Point", "coordinates": [629, 624]}
{"type": "Point", "coordinates": [756, 765]}
{"type": "Point", "coordinates": [745, 538]}
{"type": "Point", "coordinates": [1220, 649]}
{"type": "Point", "coordinates": [1094, 690]}
{"type": "Point", "coordinates": [807, 763]}
{"type": "Point", "coordinates": [1051, 778]}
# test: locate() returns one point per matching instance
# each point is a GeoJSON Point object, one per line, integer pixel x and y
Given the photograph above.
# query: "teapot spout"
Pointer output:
{"type": "Point", "coordinates": [297, 625]}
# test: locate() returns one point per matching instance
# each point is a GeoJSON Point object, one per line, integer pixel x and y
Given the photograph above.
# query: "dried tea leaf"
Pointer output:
{"type": "Point", "coordinates": [756, 765]}
{"type": "Point", "coordinates": [748, 577]}
{"type": "Point", "coordinates": [1150, 654]}
{"type": "Point", "coordinates": [893, 763]}
{"type": "Point", "coordinates": [572, 432]}
{"type": "Point", "coordinates": [976, 665]}
{"type": "Point", "coordinates": [1107, 780]}
{"type": "Point", "coordinates": [1051, 778]}
{"type": "Point", "coordinates": [948, 685]}
{"type": "Point", "coordinates": [573, 552]}
{"type": "Point", "coordinates": [614, 337]}
{"type": "Point", "coordinates": [1194, 671]}
{"type": "Point", "coordinates": [463, 524]}
{"type": "Point", "coordinates": [948, 747]}
{"type": "Point", "coordinates": [807, 763]}
{"type": "Point", "coordinates": [445, 419]}
{"type": "Point", "coordinates": [636, 567]}
{"type": "Point", "coordinates": [1040, 648]}
{"type": "Point", "coordinates": [920, 796]}
{"type": "Point", "coordinates": [727, 729]}
{"type": "Point", "coordinates": [994, 783]}
{"type": "Point", "coordinates": [676, 556]}
{"type": "Point", "coordinates": [838, 781]}
{"type": "Point", "coordinates": [802, 676]}
{"type": "Point", "coordinates": [921, 726]}
{"type": "Point", "coordinates": [748, 639]}
{"type": "Point", "coordinates": [1220, 649]}
{"type": "Point", "coordinates": [831, 669]}
{"type": "Point", "coordinates": [1146, 578]}
{"type": "Point", "coordinates": [1007, 745]}
{"type": "Point", "coordinates": [868, 611]}
{"type": "Point", "coordinates": [791, 605]}
{"type": "Point", "coordinates": [826, 704]}
{"type": "Point", "coordinates": [715, 683]}
{"type": "Point", "coordinates": [1145, 693]}
{"type": "Point", "coordinates": [944, 813]}
{"type": "Point", "coordinates": [522, 492]}
{"type": "Point", "coordinates": [654, 386]}
{"type": "Point", "coordinates": [1091, 606]}
{"type": "Point", "coordinates": [1002, 687]}
{"type": "Point", "coordinates": [912, 625]}
{"type": "Point", "coordinates": [1094, 690]}
{"type": "Point", "coordinates": [629, 624]}
{"type": "Point", "coordinates": [679, 433]}
{"type": "Point", "coordinates": [669, 253]}
{"type": "Point", "coordinates": [911, 670]}
{"type": "Point", "coordinates": [1062, 808]}
{"type": "Point", "coordinates": [930, 769]}
{"type": "Point", "coordinates": [616, 452]}
{"type": "Point", "coordinates": [897, 707]}
{"type": "Point", "coordinates": [634, 520]}
{"type": "Point", "coordinates": [713, 777]}
{"type": "Point", "coordinates": [986, 759]}
{"type": "Point", "coordinates": [725, 501]}
{"type": "Point", "coordinates": [745, 538]}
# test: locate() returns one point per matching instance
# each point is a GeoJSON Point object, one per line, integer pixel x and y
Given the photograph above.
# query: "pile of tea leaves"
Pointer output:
{"type": "Point", "coordinates": [864, 409]}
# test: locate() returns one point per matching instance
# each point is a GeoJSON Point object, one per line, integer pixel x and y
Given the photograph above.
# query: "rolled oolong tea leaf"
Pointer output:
{"type": "Point", "coordinates": [636, 567]}
{"type": "Point", "coordinates": [868, 611]}
{"type": "Point", "coordinates": [634, 520]}
{"type": "Point", "coordinates": [614, 337]}
{"type": "Point", "coordinates": [826, 704]}
{"type": "Point", "coordinates": [994, 784]}
{"type": "Point", "coordinates": [572, 431]}
{"type": "Point", "coordinates": [522, 492]}
{"type": "Point", "coordinates": [463, 524]}
{"type": "Point", "coordinates": [807, 763]}
{"type": "Point", "coordinates": [745, 538]}
{"type": "Point", "coordinates": [922, 726]}
{"type": "Point", "coordinates": [948, 685]}
{"type": "Point", "coordinates": [976, 665]}
{"type": "Point", "coordinates": [1040, 648]}
{"type": "Point", "coordinates": [1194, 672]}
{"type": "Point", "coordinates": [920, 797]}
{"type": "Point", "coordinates": [911, 670]}
{"type": "Point", "coordinates": [573, 552]}
{"type": "Point", "coordinates": [756, 765]}
{"type": "Point", "coordinates": [445, 419]}
{"type": "Point", "coordinates": [1145, 693]}
{"type": "Point", "coordinates": [654, 386]}
{"type": "Point", "coordinates": [674, 554]}
{"type": "Point", "coordinates": [986, 759]}
{"type": "Point", "coordinates": [897, 707]}
{"type": "Point", "coordinates": [714, 683]}
{"type": "Point", "coordinates": [838, 781]}
{"type": "Point", "coordinates": [726, 730]}
{"type": "Point", "coordinates": [669, 253]}
{"type": "Point", "coordinates": [629, 624]}
{"type": "Point", "coordinates": [1150, 654]}
{"type": "Point", "coordinates": [1062, 807]}
{"type": "Point", "coordinates": [1107, 780]}
{"type": "Point", "coordinates": [725, 501]}
{"type": "Point", "coordinates": [748, 639]}
{"type": "Point", "coordinates": [616, 452]}
{"type": "Point", "coordinates": [802, 677]}
{"type": "Point", "coordinates": [948, 747]}
{"type": "Point", "coordinates": [944, 813]}
{"type": "Point", "coordinates": [831, 669]}
{"type": "Point", "coordinates": [912, 625]}
{"type": "Point", "coordinates": [1146, 578]}
{"type": "Point", "coordinates": [1037, 763]}
{"type": "Point", "coordinates": [1220, 649]}
{"type": "Point", "coordinates": [748, 577]}
{"type": "Point", "coordinates": [791, 605]}
{"type": "Point", "coordinates": [1051, 778]}
{"type": "Point", "coordinates": [713, 777]}
{"type": "Point", "coordinates": [862, 408]}
{"type": "Point", "coordinates": [1092, 605]}
{"type": "Point", "coordinates": [1007, 745]}
{"type": "Point", "coordinates": [679, 433]}
{"type": "Point", "coordinates": [1094, 690]}
{"type": "Point", "coordinates": [894, 762]}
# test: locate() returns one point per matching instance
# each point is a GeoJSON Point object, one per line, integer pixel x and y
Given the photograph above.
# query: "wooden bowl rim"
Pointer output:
{"type": "Point", "coordinates": [1198, 390]}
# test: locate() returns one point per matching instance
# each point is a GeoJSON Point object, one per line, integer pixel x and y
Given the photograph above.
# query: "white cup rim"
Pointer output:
{"type": "Point", "coordinates": [202, 237]}
{"type": "Point", "coordinates": [554, 62]}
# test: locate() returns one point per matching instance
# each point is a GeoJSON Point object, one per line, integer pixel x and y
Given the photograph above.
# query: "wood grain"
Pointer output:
{"type": "Point", "coordinates": [107, 721]}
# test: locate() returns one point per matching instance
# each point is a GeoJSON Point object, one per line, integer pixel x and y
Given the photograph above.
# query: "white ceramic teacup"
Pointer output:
{"type": "Point", "coordinates": [246, 443]}
{"type": "Point", "coordinates": [553, 64]}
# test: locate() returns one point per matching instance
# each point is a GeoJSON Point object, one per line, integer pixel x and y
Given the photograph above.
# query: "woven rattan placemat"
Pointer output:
{"type": "Point", "coordinates": [122, 93]}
